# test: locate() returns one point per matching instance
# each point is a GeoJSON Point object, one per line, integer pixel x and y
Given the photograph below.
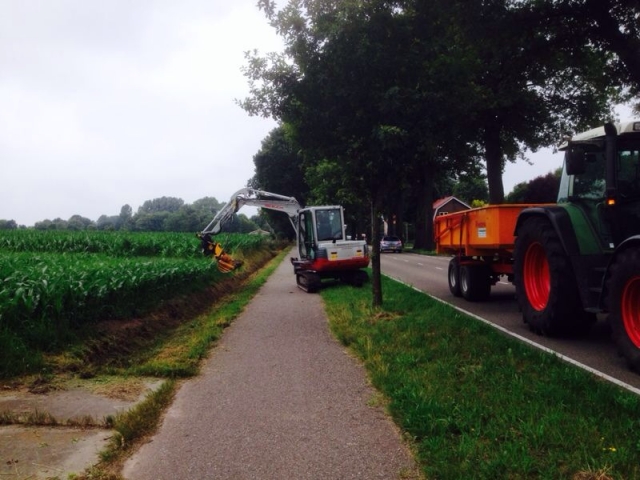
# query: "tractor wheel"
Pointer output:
{"type": "Point", "coordinates": [546, 286]}
{"type": "Point", "coordinates": [475, 282]}
{"type": "Point", "coordinates": [623, 300]}
{"type": "Point", "coordinates": [454, 277]}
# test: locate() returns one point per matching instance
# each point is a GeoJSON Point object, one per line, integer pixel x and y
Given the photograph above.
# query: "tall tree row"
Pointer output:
{"type": "Point", "coordinates": [384, 98]}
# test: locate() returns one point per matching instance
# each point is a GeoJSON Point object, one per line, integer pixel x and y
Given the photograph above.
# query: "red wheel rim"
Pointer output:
{"type": "Point", "coordinates": [537, 280]}
{"type": "Point", "coordinates": [630, 309]}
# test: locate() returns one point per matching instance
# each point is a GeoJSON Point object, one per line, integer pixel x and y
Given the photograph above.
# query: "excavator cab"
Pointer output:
{"type": "Point", "coordinates": [318, 225]}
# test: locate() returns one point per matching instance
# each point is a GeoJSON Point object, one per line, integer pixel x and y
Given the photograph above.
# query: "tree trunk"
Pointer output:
{"type": "Point", "coordinates": [376, 280]}
{"type": "Point", "coordinates": [495, 161]}
{"type": "Point", "coordinates": [396, 219]}
{"type": "Point", "coordinates": [429, 193]}
{"type": "Point", "coordinates": [424, 207]}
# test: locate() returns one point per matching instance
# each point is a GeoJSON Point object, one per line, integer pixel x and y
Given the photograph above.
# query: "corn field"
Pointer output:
{"type": "Point", "coordinates": [119, 244]}
{"type": "Point", "coordinates": [53, 283]}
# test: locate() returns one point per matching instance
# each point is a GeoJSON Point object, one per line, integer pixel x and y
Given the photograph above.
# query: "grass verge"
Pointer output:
{"type": "Point", "coordinates": [478, 404]}
{"type": "Point", "coordinates": [180, 354]}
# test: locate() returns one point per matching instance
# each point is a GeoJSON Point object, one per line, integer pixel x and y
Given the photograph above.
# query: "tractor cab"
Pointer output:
{"type": "Point", "coordinates": [601, 177]}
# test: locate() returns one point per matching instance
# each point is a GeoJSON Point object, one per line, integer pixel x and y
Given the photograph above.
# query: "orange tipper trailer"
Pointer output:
{"type": "Point", "coordinates": [481, 241]}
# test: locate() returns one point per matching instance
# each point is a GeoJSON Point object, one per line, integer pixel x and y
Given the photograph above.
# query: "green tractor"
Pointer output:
{"type": "Point", "coordinates": [581, 256]}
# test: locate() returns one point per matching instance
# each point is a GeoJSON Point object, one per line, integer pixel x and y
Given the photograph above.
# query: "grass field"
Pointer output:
{"type": "Point", "coordinates": [477, 404]}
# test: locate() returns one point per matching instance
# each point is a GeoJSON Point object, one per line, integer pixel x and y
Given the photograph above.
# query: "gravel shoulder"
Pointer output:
{"type": "Point", "coordinates": [278, 398]}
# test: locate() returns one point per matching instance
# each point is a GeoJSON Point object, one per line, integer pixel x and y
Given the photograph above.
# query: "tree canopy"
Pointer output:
{"type": "Point", "coordinates": [279, 169]}
{"type": "Point", "coordinates": [156, 215]}
{"type": "Point", "coordinates": [542, 189]}
{"type": "Point", "coordinates": [387, 97]}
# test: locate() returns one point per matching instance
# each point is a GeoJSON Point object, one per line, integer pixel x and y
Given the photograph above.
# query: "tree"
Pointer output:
{"type": "Point", "coordinates": [43, 225]}
{"type": "Point", "coordinates": [470, 187]}
{"type": "Point", "coordinates": [335, 120]}
{"type": "Point", "coordinates": [8, 225]}
{"type": "Point", "coordinates": [206, 208]}
{"type": "Point", "coordinates": [163, 204]}
{"type": "Point", "coordinates": [240, 223]}
{"type": "Point", "coordinates": [151, 222]}
{"type": "Point", "coordinates": [608, 26]}
{"type": "Point", "coordinates": [528, 90]}
{"type": "Point", "coordinates": [78, 222]}
{"type": "Point", "coordinates": [279, 169]}
{"type": "Point", "coordinates": [542, 189]}
{"type": "Point", "coordinates": [184, 220]}
{"type": "Point", "coordinates": [125, 217]}
{"type": "Point", "coordinates": [58, 224]}
{"type": "Point", "coordinates": [383, 95]}
{"type": "Point", "coordinates": [262, 223]}
{"type": "Point", "coordinates": [349, 85]}
{"type": "Point", "coordinates": [106, 222]}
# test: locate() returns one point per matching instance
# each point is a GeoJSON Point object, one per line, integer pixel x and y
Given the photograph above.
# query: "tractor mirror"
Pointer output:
{"type": "Point", "coordinates": [575, 160]}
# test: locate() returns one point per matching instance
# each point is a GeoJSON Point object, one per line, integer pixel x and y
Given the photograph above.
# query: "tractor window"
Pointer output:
{"type": "Point", "coordinates": [628, 174]}
{"type": "Point", "coordinates": [591, 184]}
{"type": "Point", "coordinates": [329, 223]}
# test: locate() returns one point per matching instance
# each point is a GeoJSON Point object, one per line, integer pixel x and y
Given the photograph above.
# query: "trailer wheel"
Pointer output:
{"type": "Point", "coordinates": [475, 282]}
{"type": "Point", "coordinates": [623, 287]}
{"type": "Point", "coordinates": [454, 277]}
{"type": "Point", "coordinates": [546, 287]}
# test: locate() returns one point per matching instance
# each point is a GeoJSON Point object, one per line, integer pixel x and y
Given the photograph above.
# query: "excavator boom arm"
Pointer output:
{"type": "Point", "coordinates": [246, 196]}
{"type": "Point", "coordinates": [253, 198]}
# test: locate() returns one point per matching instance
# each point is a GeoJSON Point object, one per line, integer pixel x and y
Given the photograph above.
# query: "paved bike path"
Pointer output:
{"type": "Point", "coordinates": [278, 398]}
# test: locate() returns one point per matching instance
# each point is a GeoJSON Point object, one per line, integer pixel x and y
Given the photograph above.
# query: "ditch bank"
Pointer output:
{"type": "Point", "coordinates": [56, 423]}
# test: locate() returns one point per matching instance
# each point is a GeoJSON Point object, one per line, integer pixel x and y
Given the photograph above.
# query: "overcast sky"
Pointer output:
{"type": "Point", "coordinates": [106, 103]}
{"type": "Point", "coordinates": [111, 102]}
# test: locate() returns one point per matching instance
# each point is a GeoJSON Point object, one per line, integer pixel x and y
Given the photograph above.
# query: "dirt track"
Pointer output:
{"type": "Point", "coordinates": [278, 398]}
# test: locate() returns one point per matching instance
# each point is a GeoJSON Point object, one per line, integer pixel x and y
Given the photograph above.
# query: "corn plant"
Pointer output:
{"type": "Point", "coordinates": [121, 244]}
{"type": "Point", "coordinates": [54, 282]}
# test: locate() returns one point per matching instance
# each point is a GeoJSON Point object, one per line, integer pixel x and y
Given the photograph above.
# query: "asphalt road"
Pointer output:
{"type": "Point", "coordinates": [429, 274]}
{"type": "Point", "coordinates": [279, 398]}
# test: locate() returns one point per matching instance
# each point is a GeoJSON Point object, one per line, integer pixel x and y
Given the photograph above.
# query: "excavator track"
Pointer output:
{"type": "Point", "coordinates": [308, 281]}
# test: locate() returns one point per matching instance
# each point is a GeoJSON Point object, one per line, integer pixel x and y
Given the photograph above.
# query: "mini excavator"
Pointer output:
{"type": "Point", "coordinates": [324, 252]}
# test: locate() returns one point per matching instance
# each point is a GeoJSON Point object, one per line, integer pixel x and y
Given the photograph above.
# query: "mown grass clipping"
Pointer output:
{"type": "Point", "coordinates": [478, 404]}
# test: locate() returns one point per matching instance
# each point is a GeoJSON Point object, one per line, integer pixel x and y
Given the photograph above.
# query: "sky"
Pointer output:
{"type": "Point", "coordinates": [107, 103]}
